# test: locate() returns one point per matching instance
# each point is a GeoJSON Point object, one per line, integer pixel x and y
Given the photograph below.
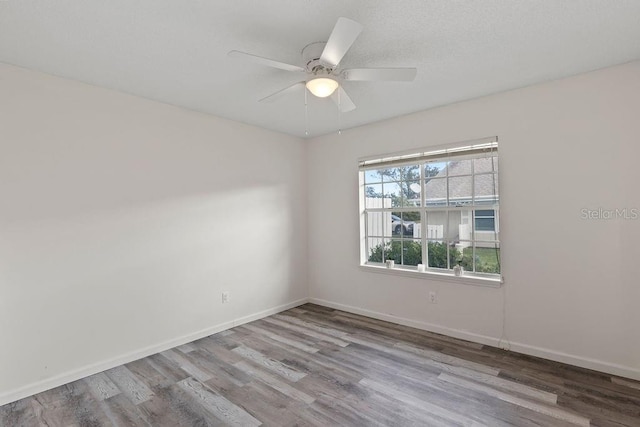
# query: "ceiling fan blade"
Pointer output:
{"type": "Point", "coordinates": [264, 61]}
{"type": "Point", "coordinates": [380, 74]}
{"type": "Point", "coordinates": [342, 37]}
{"type": "Point", "coordinates": [282, 92]}
{"type": "Point", "coordinates": [342, 100]}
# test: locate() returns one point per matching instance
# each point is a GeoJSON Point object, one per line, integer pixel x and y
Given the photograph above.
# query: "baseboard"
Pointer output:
{"type": "Point", "coordinates": [545, 353]}
{"type": "Point", "coordinates": [431, 327]}
{"type": "Point", "coordinates": [582, 362]}
{"type": "Point", "coordinates": [67, 377]}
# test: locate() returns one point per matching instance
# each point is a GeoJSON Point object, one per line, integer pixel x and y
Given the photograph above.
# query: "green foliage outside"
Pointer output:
{"type": "Point", "coordinates": [408, 252]}
{"type": "Point", "coordinates": [393, 250]}
{"type": "Point", "coordinates": [487, 259]}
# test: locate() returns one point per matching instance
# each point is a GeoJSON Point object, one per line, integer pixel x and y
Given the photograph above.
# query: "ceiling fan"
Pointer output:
{"type": "Point", "coordinates": [320, 62]}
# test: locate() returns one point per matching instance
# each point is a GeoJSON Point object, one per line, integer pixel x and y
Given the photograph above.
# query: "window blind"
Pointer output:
{"type": "Point", "coordinates": [475, 148]}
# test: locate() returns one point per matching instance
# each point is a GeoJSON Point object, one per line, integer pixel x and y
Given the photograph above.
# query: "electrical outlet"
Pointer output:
{"type": "Point", "coordinates": [433, 297]}
{"type": "Point", "coordinates": [225, 297]}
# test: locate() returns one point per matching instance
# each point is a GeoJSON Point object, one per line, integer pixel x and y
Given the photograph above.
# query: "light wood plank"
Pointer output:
{"type": "Point", "coordinates": [101, 386]}
{"type": "Point", "coordinates": [283, 340]}
{"type": "Point", "coordinates": [308, 332]}
{"type": "Point", "coordinates": [218, 405]}
{"type": "Point", "coordinates": [449, 360]}
{"type": "Point", "coordinates": [273, 365]}
{"type": "Point", "coordinates": [187, 366]}
{"type": "Point", "coordinates": [310, 325]}
{"type": "Point", "coordinates": [551, 411]}
{"type": "Point", "coordinates": [626, 383]}
{"type": "Point", "coordinates": [275, 383]}
{"type": "Point", "coordinates": [447, 414]}
{"type": "Point", "coordinates": [187, 348]}
{"type": "Point", "coordinates": [129, 384]}
{"type": "Point", "coordinates": [493, 381]}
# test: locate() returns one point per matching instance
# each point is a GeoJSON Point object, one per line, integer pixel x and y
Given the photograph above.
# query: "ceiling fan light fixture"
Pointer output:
{"type": "Point", "coordinates": [322, 86]}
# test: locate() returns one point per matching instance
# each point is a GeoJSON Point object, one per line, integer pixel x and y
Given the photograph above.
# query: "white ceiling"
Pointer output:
{"type": "Point", "coordinates": [174, 51]}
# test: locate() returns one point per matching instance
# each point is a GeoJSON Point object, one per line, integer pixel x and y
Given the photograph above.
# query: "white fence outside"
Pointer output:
{"type": "Point", "coordinates": [378, 222]}
{"type": "Point", "coordinates": [434, 232]}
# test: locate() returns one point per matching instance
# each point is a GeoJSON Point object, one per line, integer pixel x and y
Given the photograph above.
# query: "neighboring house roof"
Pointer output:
{"type": "Point", "coordinates": [460, 187]}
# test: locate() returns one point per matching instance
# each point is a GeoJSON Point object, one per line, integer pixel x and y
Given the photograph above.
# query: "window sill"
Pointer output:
{"type": "Point", "coordinates": [431, 275]}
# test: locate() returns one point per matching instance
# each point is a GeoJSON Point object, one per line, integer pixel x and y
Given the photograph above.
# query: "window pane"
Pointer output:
{"type": "Point", "coordinates": [372, 176]}
{"type": "Point", "coordinates": [406, 224]}
{"type": "Point", "coordinates": [455, 255]}
{"type": "Point", "coordinates": [436, 192]}
{"type": "Point", "coordinates": [412, 191]}
{"type": "Point", "coordinates": [460, 191]}
{"type": "Point", "coordinates": [462, 254]}
{"type": "Point", "coordinates": [456, 230]}
{"type": "Point", "coordinates": [435, 169]}
{"type": "Point", "coordinates": [465, 257]}
{"type": "Point", "coordinates": [459, 167]}
{"type": "Point", "coordinates": [436, 225]}
{"type": "Point", "coordinates": [389, 175]}
{"type": "Point", "coordinates": [487, 258]}
{"type": "Point", "coordinates": [394, 251]}
{"type": "Point", "coordinates": [376, 250]}
{"type": "Point", "coordinates": [373, 197]}
{"type": "Point", "coordinates": [463, 226]}
{"type": "Point", "coordinates": [411, 252]}
{"type": "Point", "coordinates": [375, 223]}
{"type": "Point", "coordinates": [396, 223]}
{"type": "Point", "coordinates": [486, 189]}
{"type": "Point", "coordinates": [437, 254]}
{"type": "Point", "coordinates": [487, 164]}
{"type": "Point", "coordinates": [485, 225]}
{"type": "Point", "coordinates": [409, 173]}
{"type": "Point", "coordinates": [402, 173]}
{"type": "Point", "coordinates": [393, 192]}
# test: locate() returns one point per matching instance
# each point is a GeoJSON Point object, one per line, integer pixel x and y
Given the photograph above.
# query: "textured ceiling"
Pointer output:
{"type": "Point", "coordinates": [175, 51]}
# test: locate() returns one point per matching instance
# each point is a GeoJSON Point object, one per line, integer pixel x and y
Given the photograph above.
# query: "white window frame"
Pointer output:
{"type": "Point", "coordinates": [462, 150]}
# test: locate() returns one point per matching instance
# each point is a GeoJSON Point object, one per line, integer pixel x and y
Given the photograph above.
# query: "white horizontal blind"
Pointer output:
{"type": "Point", "coordinates": [474, 148]}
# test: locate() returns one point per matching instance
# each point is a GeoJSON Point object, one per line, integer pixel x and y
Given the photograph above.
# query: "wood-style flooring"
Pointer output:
{"type": "Point", "coordinates": [316, 366]}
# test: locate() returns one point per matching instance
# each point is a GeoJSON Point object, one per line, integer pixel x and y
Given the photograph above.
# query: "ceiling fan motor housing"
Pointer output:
{"type": "Point", "coordinates": [311, 58]}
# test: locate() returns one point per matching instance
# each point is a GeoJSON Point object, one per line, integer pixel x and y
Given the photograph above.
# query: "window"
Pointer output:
{"type": "Point", "coordinates": [485, 220]}
{"type": "Point", "coordinates": [436, 208]}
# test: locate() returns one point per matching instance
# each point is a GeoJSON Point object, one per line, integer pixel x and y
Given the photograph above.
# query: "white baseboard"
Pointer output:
{"type": "Point", "coordinates": [583, 362]}
{"type": "Point", "coordinates": [67, 377]}
{"type": "Point", "coordinates": [545, 353]}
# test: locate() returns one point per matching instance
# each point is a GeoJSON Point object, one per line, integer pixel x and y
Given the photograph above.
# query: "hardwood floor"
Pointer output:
{"type": "Point", "coordinates": [317, 366]}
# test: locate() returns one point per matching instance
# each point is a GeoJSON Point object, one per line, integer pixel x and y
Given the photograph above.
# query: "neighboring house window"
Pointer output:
{"type": "Point", "coordinates": [439, 208]}
{"type": "Point", "coordinates": [485, 220]}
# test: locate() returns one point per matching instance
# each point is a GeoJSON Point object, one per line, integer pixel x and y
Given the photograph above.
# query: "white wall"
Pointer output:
{"type": "Point", "coordinates": [571, 285]}
{"type": "Point", "coordinates": [122, 220]}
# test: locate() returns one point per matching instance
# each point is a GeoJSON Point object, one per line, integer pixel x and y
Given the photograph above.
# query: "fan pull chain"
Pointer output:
{"type": "Point", "coordinates": [306, 114]}
{"type": "Point", "coordinates": [339, 112]}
